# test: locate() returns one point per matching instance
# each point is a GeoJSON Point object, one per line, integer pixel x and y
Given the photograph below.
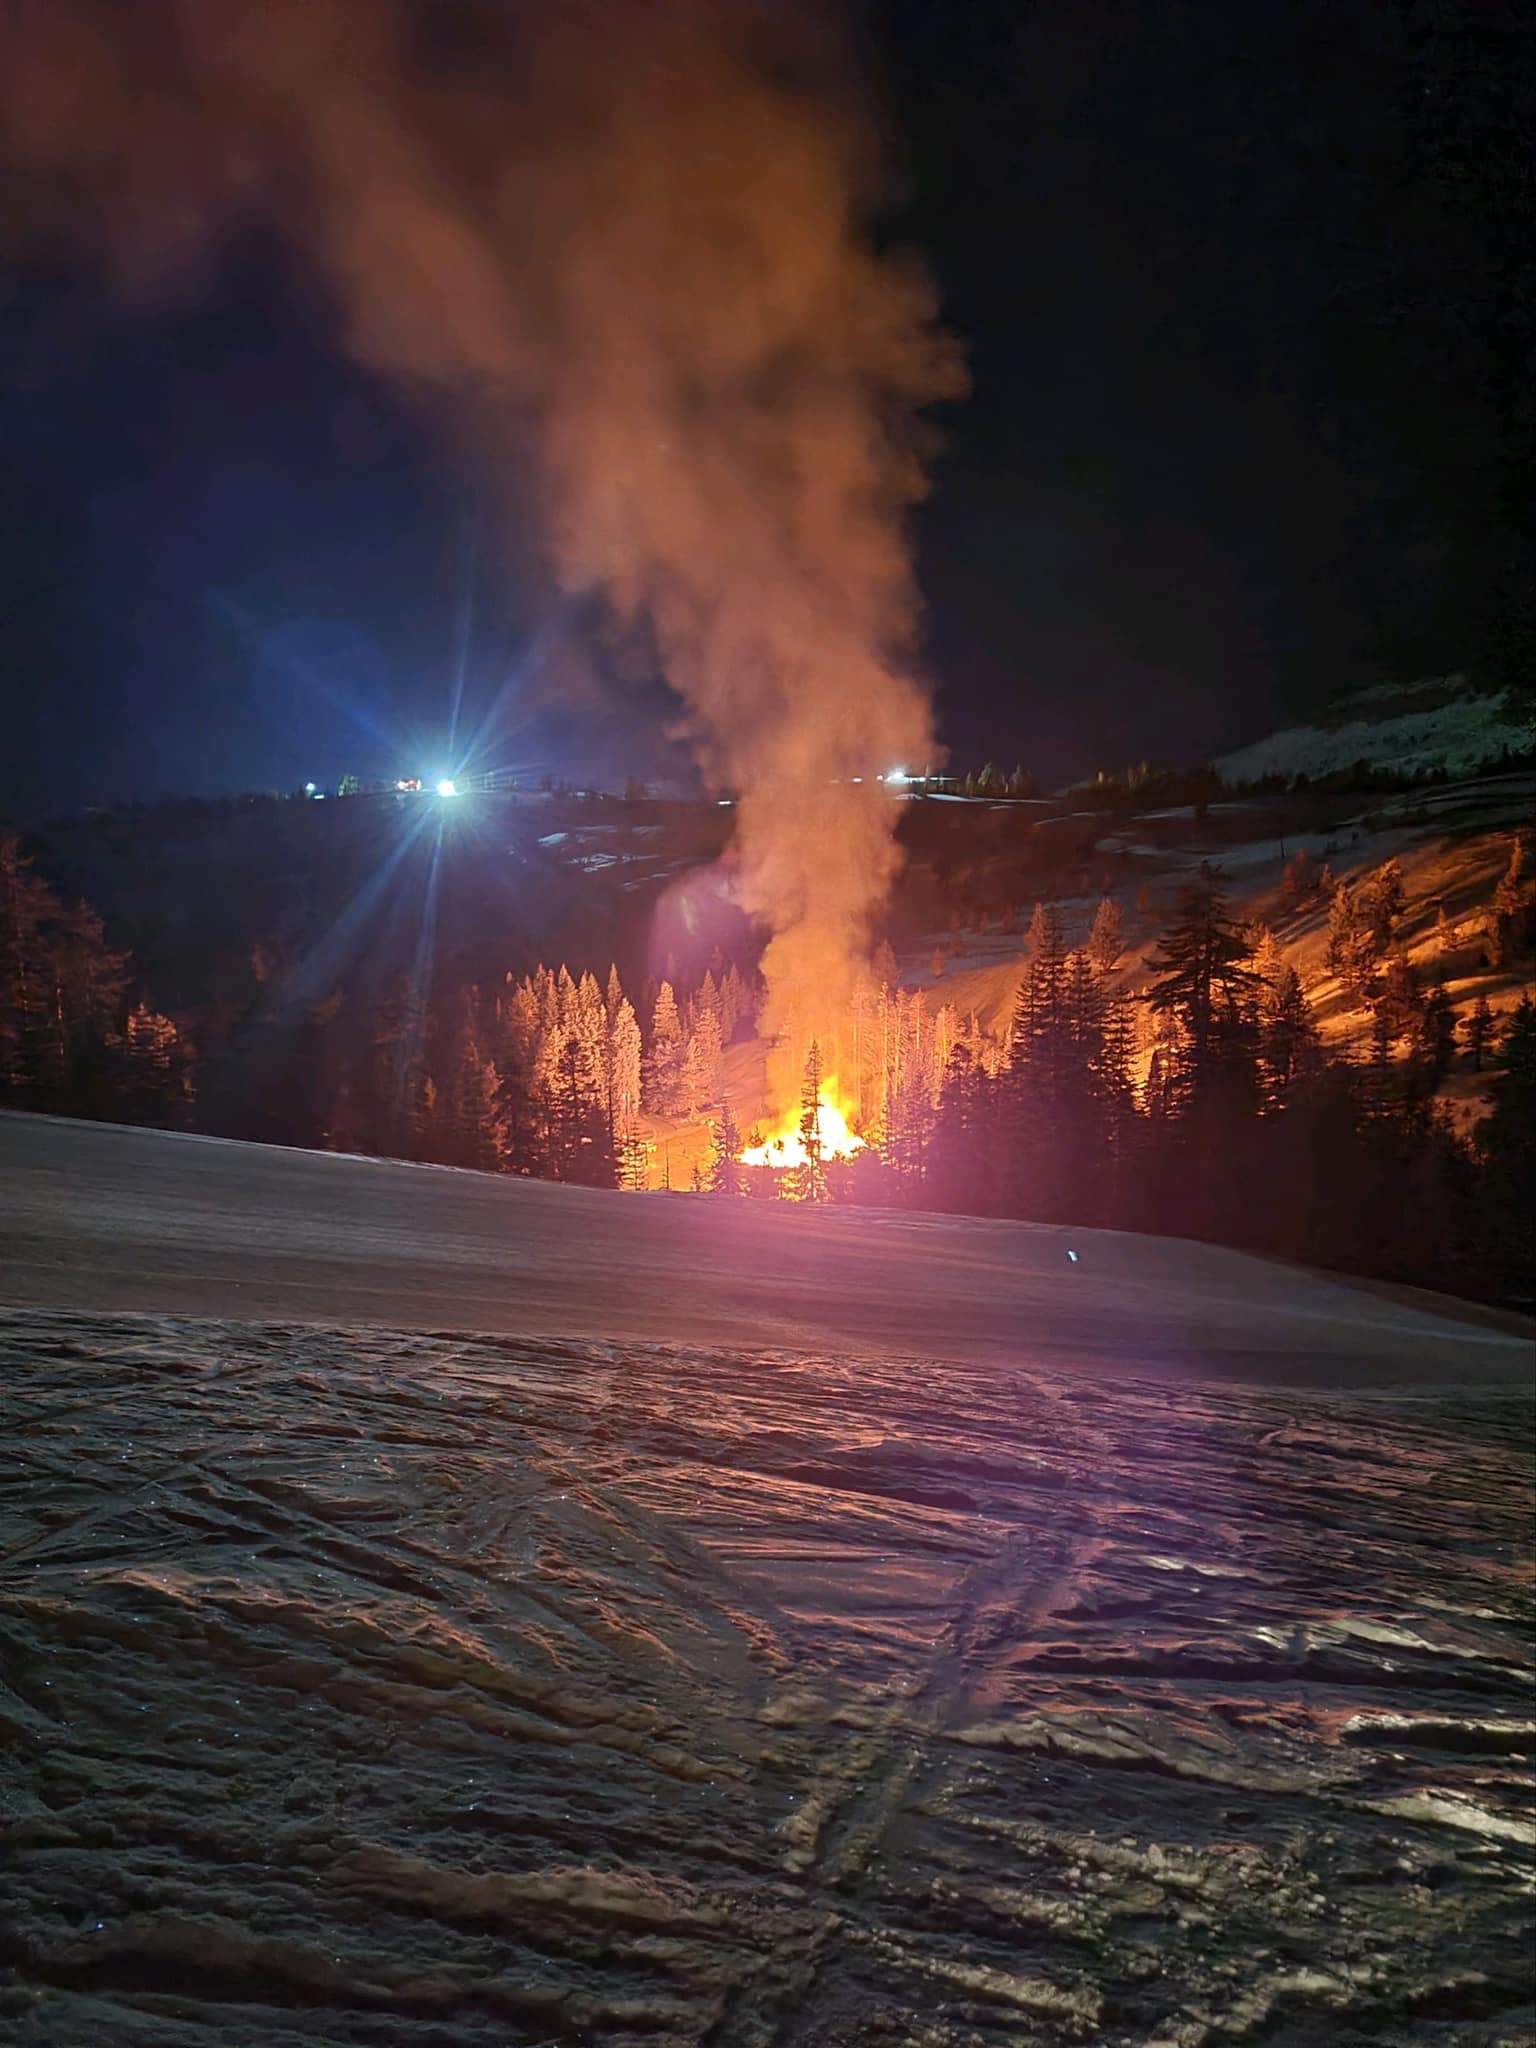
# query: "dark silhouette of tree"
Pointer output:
{"type": "Point", "coordinates": [1352, 951]}
{"type": "Point", "coordinates": [395, 1071]}
{"type": "Point", "coordinates": [1507, 1138]}
{"type": "Point", "coordinates": [1434, 1030]}
{"type": "Point", "coordinates": [1383, 902]}
{"type": "Point", "coordinates": [960, 1152]}
{"type": "Point", "coordinates": [1105, 944]}
{"type": "Point", "coordinates": [1400, 1000]}
{"type": "Point", "coordinates": [809, 1180]}
{"type": "Point", "coordinates": [1289, 1049]}
{"type": "Point", "coordinates": [61, 988]}
{"type": "Point", "coordinates": [580, 1145]}
{"type": "Point", "coordinates": [1200, 978]}
{"type": "Point", "coordinates": [1509, 920]}
{"type": "Point", "coordinates": [1480, 1034]}
{"type": "Point", "coordinates": [725, 1167]}
{"type": "Point", "coordinates": [156, 1085]}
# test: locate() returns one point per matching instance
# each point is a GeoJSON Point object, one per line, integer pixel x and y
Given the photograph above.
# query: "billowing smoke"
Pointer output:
{"type": "Point", "coordinates": [628, 243]}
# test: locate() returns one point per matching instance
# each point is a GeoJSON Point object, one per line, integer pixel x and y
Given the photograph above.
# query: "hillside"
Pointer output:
{"type": "Point", "coordinates": [1439, 726]}
{"type": "Point", "coordinates": [1451, 840]}
{"type": "Point", "coordinates": [354, 984]}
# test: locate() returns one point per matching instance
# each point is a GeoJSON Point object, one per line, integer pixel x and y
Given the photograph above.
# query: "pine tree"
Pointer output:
{"type": "Point", "coordinates": [1116, 1088]}
{"type": "Point", "coordinates": [1105, 944]}
{"type": "Point", "coordinates": [1509, 896]}
{"type": "Point", "coordinates": [733, 1005]}
{"type": "Point", "coordinates": [1289, 1049]}
{"type": "Point", "coordinates": [664, 1079]}
{"type": "Point", "coordinates": [1037, 1006]}
{"type": "Point", "coordinates": [959, 1152]}
{"type": "Point", "coordinates": [725, 1168]}
{"type": "Point", "coordinates": [1381, 1086]}
{"type": "Point", "coordinates": [633, 1163]}
{"type": "Point", "coordinates": [809, 1181]}
{"type": "Point", "coordinates": [157, 1077]}
{"type": "Point", "coordinates": [1352, 949]}
{"type": "Point", "coordinates": [1480, 1034]}
{"type": "Point", "coordinates": [1400, 1001]}
{"type": "Point", "coordinates": [1507, 1139]}
{"type": "Point", "coordinates": [621, 1072]}
{"type": "Point", "coordinates": [702, 1063]}
{"type": "Point", "coordinates": [1046, 1080]}
{"type": "Point", "coordinates": [1268, 956]}
{"type": "Point", "coordinates": [1037, 928]}
{"type": "Point", "coordinates": [396, 1070]}
{"type": "Point", "coordinates": [1509, 919]}
{"type": "Point", "coordinates": [707, 1001]}
{"type": "Point", "coordinates": [60, 986]}
{"type": "Point", "coordinates": [581, 1147]}
{"type": "Point", "coordinates": [1434, 1032]}
{"type": "Point", "coordinates": [1200, 975]}
{"type": "Point", "coordinates": [1383, 905]}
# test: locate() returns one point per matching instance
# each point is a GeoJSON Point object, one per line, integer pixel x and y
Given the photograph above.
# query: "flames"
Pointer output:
{"type": "Point", "coordinates": [785, 1147]}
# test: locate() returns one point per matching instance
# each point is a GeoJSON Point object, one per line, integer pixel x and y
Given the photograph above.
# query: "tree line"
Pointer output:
{"type": "Point", "coordinates": [1207, 1106]}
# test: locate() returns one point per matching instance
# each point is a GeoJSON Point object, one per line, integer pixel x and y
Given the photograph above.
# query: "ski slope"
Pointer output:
{"type": "Point", "coordinates": [443, 1613]}
{"type": "Point", "coordinates": [105, 1217]}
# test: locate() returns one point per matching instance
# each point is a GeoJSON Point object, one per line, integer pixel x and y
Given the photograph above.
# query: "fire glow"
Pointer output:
{"type": "Point", "coordinates": [786, 1147]}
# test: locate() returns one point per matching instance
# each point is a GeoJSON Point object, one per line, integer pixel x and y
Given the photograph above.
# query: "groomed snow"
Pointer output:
{"type": "Point", "coordinates": [105, 1217]}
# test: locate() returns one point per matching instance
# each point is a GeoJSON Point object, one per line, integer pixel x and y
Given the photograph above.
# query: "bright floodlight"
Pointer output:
{"type": "Point", "coordinates": [309, 789]}
{"type": "Point", "coordinates": [898, 775]}
{"type": "Point", "coordinates": [447, 788]}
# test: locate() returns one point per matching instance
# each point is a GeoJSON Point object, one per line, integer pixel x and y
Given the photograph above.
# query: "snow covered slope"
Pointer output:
{"type": "Point", "coordinates": [103, 1217]}
{"type": "Point", "coordinates": [440, 1613]}
{"type": "Point", "coordinates": [1440, 726]}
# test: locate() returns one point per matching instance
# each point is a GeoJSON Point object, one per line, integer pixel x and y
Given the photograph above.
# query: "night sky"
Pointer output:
{"type": "Point", "coordinates": [1245, 300]}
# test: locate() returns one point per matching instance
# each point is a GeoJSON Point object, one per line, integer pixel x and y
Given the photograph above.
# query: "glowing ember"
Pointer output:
{"type": "Point", "coordinates": [787, 1148]}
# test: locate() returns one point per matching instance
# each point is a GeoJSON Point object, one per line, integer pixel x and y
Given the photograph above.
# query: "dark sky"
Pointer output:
{"type": "Point", "coordinates": [1244, 295]}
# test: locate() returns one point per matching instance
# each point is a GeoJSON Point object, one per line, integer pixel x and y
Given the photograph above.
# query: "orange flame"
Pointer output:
{"type": "Point", "coordinates": [785, 1146]}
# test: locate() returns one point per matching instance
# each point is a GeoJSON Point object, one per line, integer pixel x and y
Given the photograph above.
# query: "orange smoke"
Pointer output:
{"type": "Point", "coordinates": [625, 245]}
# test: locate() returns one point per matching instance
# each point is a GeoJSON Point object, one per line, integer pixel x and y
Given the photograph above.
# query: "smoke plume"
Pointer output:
{"type": "Point", "coordinates": [627, 243]}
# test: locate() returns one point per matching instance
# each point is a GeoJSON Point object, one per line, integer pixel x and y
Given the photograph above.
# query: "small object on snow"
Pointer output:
{"type": "Point", "coordinates": [1073, 1257]}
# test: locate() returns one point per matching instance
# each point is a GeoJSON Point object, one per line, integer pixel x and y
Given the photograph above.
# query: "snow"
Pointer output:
{"type": "Point", "coordinates": [1456, 737]}
{"type": "Point", "coordinates": [438, 1610]}
{"type": "Point", "coordinates": [153, 1221]}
